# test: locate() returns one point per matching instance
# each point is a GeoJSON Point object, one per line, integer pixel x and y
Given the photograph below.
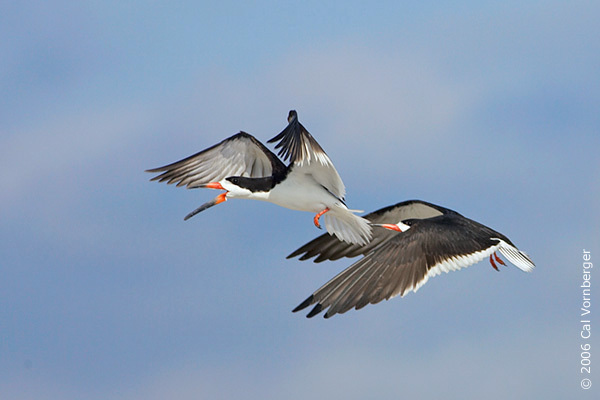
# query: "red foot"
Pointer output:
{"type": "Point", "coordinates": [493, 263]}
{"type": "Point", "coordinates": [316, 220]}
{"type": "Point", "coordinates": [498, 259]}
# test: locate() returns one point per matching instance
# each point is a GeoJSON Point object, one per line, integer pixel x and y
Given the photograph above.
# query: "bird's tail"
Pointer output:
{"type": "Point", "coordinates": [347, 227]}
{"type": "Point", "coordinates": [519, 258]}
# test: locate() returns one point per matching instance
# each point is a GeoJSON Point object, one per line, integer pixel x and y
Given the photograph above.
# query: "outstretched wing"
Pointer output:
{"type": "Point", "coordinates": [239, 155]}
{"type": "Point", "coordinates": [407, 260]}
{"type": "Point", "coordinates": [327, 247]}
{"type": "Point", "coordinates": [298, 146]}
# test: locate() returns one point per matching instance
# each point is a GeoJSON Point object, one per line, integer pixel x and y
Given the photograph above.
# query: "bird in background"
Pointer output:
{"type": "Point", "coordinates": [244, 168]}
{"type": "Point", "coordinates": [414, 241]}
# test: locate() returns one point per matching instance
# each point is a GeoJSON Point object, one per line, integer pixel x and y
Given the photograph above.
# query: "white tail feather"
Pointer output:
{"type": "Point", "coordinates": [347, 226]}
{"type": "Point", "coordinates": [520, 259]}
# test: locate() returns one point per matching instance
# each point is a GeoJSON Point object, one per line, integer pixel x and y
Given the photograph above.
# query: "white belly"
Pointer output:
{"type": "Point", "coordinates": [302, 193]}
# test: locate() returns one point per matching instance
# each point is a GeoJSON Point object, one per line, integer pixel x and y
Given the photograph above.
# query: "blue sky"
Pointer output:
{"type": "Point", "coordinates": [488, 108]}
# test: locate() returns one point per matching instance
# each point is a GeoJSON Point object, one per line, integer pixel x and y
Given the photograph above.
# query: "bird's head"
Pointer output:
{"type": "Point", "coordinates": [236, 187]}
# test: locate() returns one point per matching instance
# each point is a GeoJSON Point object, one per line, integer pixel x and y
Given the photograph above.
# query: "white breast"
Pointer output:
{"type": "Point", "coordinates": [301, 192]}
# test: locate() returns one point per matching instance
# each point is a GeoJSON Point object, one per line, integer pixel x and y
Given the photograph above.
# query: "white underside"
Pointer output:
{"type": "Point", "coordinates": [512, 254]}
{"type": "Point", "coordinates": [302, 192]}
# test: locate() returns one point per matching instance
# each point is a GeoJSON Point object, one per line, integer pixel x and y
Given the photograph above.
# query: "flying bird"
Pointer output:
{"type": "Point", "coordinates": [244, 168]}
{"type": "Point", "coordinates": [419, 240]}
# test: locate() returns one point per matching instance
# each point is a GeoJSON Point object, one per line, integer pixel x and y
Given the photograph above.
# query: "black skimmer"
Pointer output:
{"type": "Point", "coordinates": [421, 240]}
{"type": "Point", "coordinates": [243, 167]}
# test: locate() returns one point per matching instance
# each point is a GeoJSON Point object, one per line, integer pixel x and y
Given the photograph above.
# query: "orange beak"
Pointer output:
{"type": "Point", "coordinates": [221, 198]}
{"type": "Point", "coordinates": [392, 227]}
{"type": "Point", "coordinates": [213, 185]}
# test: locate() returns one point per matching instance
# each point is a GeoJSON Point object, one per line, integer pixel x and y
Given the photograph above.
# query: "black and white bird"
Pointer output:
{"type": "Point", "coordinates": [421, 240]}
{"type": "Point", "coordinates": [243, 167]}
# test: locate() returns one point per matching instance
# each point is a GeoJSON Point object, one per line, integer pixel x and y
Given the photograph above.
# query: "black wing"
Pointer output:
{"type": "Point", "coordinates": [296, 144]}
{"type": "Point", "coordinates": [405, 262]}
{"type": "Point", "coordinates": [327, 247]}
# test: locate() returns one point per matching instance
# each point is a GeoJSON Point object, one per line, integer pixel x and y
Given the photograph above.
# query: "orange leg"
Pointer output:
{"type": "Point", "coordinates": [316, 220]}
{"type": "Point", "coordinates": [493, 263]}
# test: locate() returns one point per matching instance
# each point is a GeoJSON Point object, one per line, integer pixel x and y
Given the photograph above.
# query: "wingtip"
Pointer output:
{"type": "Point", "coordinates": [292, 118]}
{"type": "Point", "coordinates": [304, 304]}
{"type": "Point", "coordinates": [292, 114]}
{"type": "Point", "coordinates": [160, 171]}
{"type": "Point", "coordinates": [305, 255]}
{"type": "Point", "coordinates": [316, 310]}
